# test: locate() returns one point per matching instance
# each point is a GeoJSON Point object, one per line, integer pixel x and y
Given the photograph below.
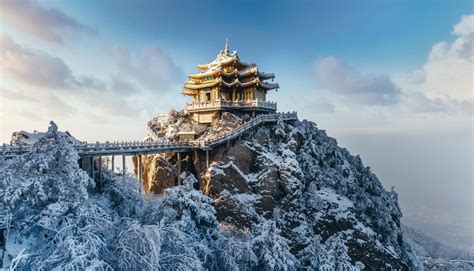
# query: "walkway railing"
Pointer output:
{"type": "Point", "coordinates": [86, 149]}
{"type": "Point", "coordinates": [245, 127]}
{"type": "Point", "coordinates": [231, 104]}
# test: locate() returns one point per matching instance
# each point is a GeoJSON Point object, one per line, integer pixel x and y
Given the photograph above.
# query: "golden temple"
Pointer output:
{"type": "Point", "coordinates": [228, 84]}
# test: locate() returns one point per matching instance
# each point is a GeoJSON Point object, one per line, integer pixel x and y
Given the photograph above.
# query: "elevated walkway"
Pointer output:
{"type": "Point", "coordinates": [86, 149]}
{"type": "Point", "coordinates": [88, 152]}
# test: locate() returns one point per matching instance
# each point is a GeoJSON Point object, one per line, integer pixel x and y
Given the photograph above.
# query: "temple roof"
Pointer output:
{"type": "Point", "coordinates": [224, 57]}
{"type": "Point", "coordinates": [235, 83]}
{"type": "Point", "coordinates": [250, 70]}
{"type": "Point", "coordinates": [229, 71]}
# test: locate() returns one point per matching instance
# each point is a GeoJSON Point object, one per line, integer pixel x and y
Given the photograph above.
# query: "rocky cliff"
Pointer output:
{"type": "Point", "coordinates": [320, 197]}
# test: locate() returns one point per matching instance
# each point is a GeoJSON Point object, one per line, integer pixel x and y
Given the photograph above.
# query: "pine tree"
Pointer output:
{"type": "Point", "coordinates": [271, 248]}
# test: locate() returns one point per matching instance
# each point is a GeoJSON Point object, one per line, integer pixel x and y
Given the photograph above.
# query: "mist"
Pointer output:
{"type": "Point", "coordinates": [432, 174]}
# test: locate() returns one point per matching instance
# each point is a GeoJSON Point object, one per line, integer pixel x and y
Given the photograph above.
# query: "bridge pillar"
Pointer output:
{"type": "Point", "coordinates": [100, 168]}
{"type": "Point", "coordinates": [207, 158]}
{"type": "Point", "coordinates": [113, 164]}
{"type": "Point", "coordinates": [123, 165]}
{"type": "Point", "coordinates": [179, 168]}
{"type": "Point", "coordinates": [92, 166]}
{"type": "Point", "coordinates": [140, 174]}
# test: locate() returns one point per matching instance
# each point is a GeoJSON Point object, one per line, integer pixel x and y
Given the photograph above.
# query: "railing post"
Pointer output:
{"type": "Point", "coordinates": [207, 158]}
{"type": "Point", "coordinates": [113, 163]}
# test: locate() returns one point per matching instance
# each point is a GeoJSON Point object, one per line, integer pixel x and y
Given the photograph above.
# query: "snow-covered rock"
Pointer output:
{"type": "Point", "coordinates": [329, 209]}
{"type": "Point", "coordinates": [23, 137]}
{"type": "Point", "coordinates": [283, 198]}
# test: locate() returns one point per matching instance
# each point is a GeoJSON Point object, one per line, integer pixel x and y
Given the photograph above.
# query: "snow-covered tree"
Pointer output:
{"type": "Point", "coordinates": [336, 257]}
{"type": "Point", "coordinates": [235, 253]}
{"type": "Point", "coordinates": [311, 256]}
{"type": "Point", "coordinates": [48, 175]}
{"type": "Point", "coordinates": [138, 247]}
{"type": "Point", "coordinates": [271, 248]}
{"type": "Point", "coordinates": [300, 186]}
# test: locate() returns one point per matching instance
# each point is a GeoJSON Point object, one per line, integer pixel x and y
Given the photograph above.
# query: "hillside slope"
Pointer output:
{"type": "Point", "coordinates": [436, 255]}
{"type": "Point", "coordinates": [320, 197]}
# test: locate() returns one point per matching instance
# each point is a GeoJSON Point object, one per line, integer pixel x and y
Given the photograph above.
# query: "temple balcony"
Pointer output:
{"type": "Point", "coordinates": [231, 105]}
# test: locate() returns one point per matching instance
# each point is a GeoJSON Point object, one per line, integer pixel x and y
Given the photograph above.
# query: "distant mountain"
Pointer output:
{"type": "Point", "coordinates": [436, 255]}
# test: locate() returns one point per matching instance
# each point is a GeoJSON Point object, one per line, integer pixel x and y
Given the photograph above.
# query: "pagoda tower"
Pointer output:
{"type": "Point", "coordinates": [228, 84]}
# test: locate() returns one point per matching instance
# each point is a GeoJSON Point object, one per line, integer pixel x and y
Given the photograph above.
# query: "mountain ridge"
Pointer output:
{"type": "Point", "coordinates": [283, 197]}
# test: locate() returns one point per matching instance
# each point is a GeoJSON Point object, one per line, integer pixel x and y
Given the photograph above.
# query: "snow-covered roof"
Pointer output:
{"type": "Point", "coordinates": [235, 83]}
{"type": "Point", "coordinates": [269, 85]}
{"type": "Point", "coordinates": [250, 70]}
{"type": "Point", "coordinates": [222, 58]}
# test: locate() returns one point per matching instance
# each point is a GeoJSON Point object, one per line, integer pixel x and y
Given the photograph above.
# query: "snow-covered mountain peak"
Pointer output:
{"type": "Point", "coordinates": [283, 196]}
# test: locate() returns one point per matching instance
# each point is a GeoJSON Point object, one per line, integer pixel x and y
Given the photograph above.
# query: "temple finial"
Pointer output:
{"type": "Point", "coordinates": [227, 46]}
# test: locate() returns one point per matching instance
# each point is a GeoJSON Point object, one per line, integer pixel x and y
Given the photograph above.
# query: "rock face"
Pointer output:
{"type": "Point", "coordinates": [157, 167]}
{"type": "Point", "coordinates": [318, 194]}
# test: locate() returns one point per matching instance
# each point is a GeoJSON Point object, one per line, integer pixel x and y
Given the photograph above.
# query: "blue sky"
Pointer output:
{"type": "Point", "coordinates": [399, 32]}
{"type": "Point", "coordinates": [391, 80]}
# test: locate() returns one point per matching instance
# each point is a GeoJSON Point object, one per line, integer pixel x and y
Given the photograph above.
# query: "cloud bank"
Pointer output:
{"type": "Point", "coordinates": [443, 84]}
{"type": "Point", "coordinates": [39, 69]}
{"type": "Point", "coordinates": [50, 25]}
{"type": "Point", "coordinates": [148, 72]}
{"type": "Point", "coordinates": [354, 87]}
{"type": "Point", "coordinates": [150, 67]}
{"type": "Point", "coordinates": [447, 76]}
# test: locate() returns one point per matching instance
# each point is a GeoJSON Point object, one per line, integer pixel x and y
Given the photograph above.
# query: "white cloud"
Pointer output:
{"type": "Point", "coordinates": [43, 103]}
{"type": "Point", "coordinates": [122, 86]}
{"type": "Point", "coordinates": [48, 81]}
{"type": "Point", "coordinates": [51, 25]}
{"type": "Point", "coordinates": [448, 73]}
{"type": "Point", "coordinates": [32, 67]}
{"type": "Point", "coordinates": [39, 69]}
{"type": "Point", "coordinates": [150, 67]}
{"type": "Point", "coordinates": [417, 102]}
{"type": "Point", "coordinates": [7, 94]}
{"type": "Point", "coordinates": [443, 84]}
{"type": "Point", "coordinates": [353, 87]}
